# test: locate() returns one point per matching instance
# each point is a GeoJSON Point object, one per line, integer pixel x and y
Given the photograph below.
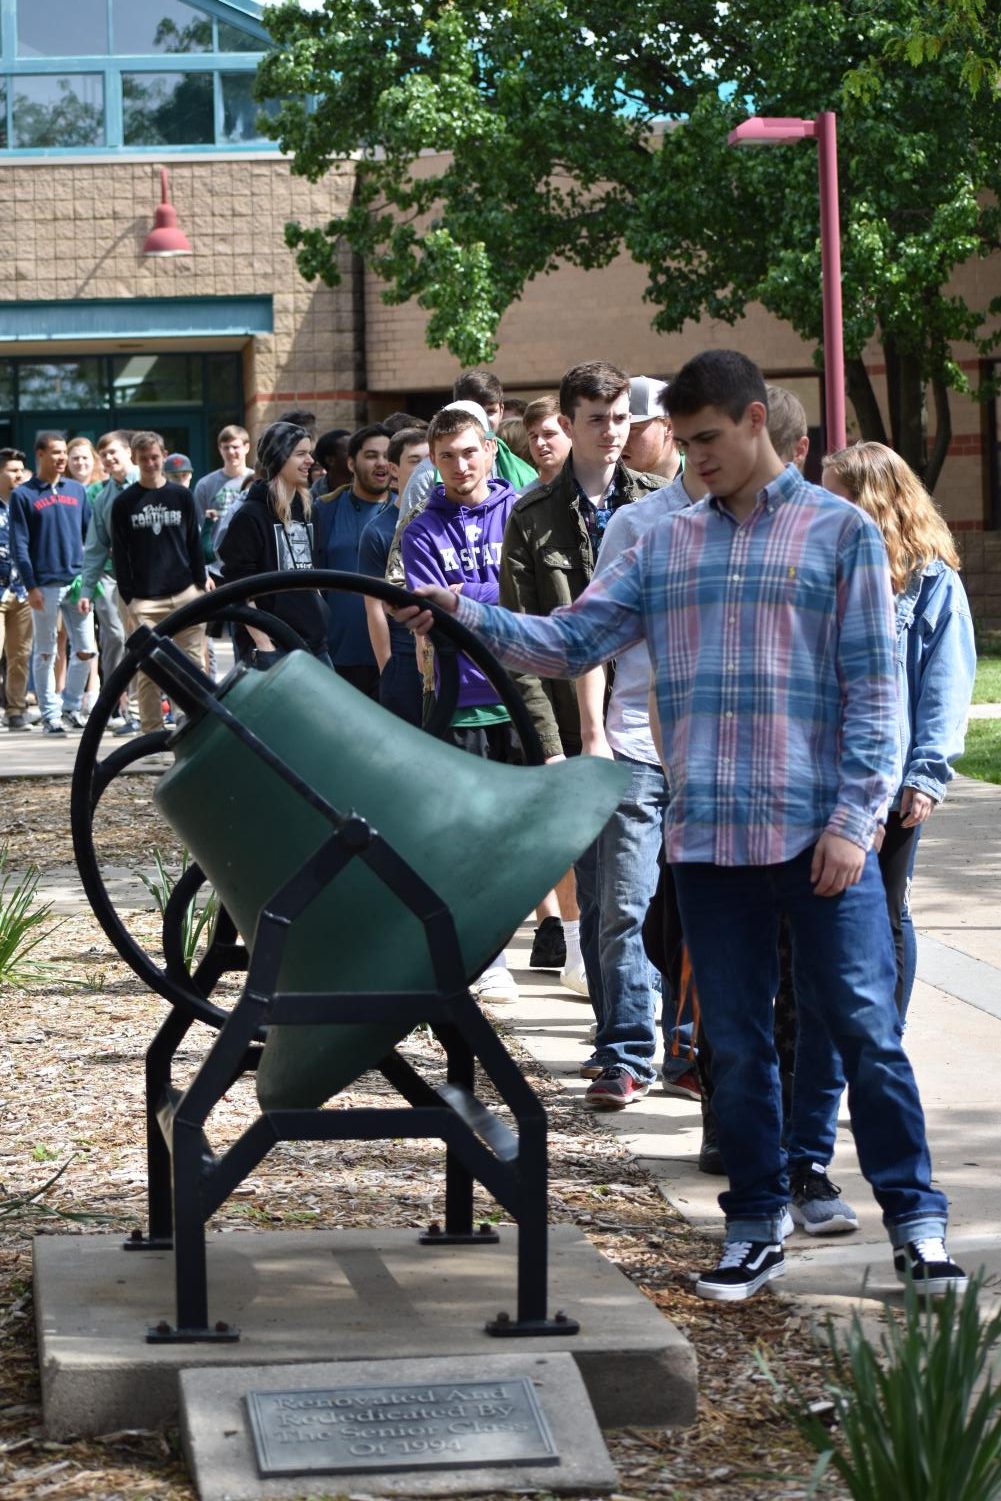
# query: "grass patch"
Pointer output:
{"type": "Point", "coordinates": [982, 756]}
{"type": "Point", "coordinates": [987, 687]}
{"type": "Point", "coordinates": [21, 924]}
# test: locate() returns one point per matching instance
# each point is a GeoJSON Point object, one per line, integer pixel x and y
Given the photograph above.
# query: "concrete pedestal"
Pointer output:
{"type": "Point", "coordinates": [344, 1295]}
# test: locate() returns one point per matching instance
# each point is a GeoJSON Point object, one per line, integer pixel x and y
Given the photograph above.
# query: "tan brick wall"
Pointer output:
{"type": "Point", "coordinates": [981, 554]}
{"type": "Point", "coordinates": [79, 230]}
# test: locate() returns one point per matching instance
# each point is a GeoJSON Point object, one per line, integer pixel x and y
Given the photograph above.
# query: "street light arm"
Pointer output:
{"type": "Point", "coordinates": [771, 130]}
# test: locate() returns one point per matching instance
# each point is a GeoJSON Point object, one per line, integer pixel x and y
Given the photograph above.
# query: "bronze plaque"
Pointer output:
{"type": "Point", "coordinates": [441, 1425]}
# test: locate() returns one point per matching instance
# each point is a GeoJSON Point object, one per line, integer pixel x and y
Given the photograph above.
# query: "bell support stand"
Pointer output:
{"type": "Point", "coordinates": [187, 1179]}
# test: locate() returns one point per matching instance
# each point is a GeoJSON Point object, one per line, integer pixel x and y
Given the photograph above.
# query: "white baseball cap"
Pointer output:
{"type": "Point", "coordinates": [475, 410]}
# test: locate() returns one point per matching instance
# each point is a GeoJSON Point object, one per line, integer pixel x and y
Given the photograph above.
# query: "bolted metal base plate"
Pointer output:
{"type": "Point", "coordinates": [166, 1334]}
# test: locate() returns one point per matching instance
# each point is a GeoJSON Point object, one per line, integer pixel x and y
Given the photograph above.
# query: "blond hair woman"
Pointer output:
{"type": "Point", "coordinates": [936, 661]}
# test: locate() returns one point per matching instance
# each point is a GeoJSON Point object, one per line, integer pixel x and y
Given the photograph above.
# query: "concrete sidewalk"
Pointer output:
{"type": "Point", "coordinates": [953, 1037]}
{"type": "Point", "coordinates": [954, 1041]}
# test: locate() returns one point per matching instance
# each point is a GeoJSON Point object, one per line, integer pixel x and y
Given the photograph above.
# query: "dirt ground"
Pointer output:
{"type": "Point", "coordinates": [72, 1160]}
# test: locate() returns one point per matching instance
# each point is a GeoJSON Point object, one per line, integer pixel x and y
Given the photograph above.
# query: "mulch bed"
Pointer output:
{"type": "Point", "coordinates": [72, 1160]}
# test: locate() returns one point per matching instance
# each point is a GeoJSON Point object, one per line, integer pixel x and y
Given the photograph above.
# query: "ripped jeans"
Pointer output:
{"type": "Point", "coordinates": [82, 645]}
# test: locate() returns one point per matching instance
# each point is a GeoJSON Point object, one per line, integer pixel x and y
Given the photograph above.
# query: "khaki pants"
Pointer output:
{"type": "Point", "coordinates": [192, 642]}
{"type": "Point", "coordinates": [16, 632]}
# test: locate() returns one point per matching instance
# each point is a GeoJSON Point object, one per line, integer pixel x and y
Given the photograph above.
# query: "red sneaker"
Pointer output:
{"type": "Point", "coordinates": [613, 1089]}
{"type": "Point", "coordinates": [686, 1086]}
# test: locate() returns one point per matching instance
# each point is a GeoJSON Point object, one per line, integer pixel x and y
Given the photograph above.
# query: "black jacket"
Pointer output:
{"type": "Point", "coordinates": [257, 542]}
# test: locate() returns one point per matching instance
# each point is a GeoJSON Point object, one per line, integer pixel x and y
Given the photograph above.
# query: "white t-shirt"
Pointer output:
{"type": "Point", "coordinates": [627, 723]}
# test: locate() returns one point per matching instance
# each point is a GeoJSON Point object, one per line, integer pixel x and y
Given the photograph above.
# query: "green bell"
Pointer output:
{"type": "Point", "coordinates": [490, 840]}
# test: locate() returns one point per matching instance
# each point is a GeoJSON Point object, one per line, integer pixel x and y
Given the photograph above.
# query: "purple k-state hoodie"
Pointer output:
{"type": "Point", "coordinates": [454, 544]}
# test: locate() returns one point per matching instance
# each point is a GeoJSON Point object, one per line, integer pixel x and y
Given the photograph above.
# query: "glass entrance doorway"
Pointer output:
{"type": "Point", "coordinates": [186, 398]}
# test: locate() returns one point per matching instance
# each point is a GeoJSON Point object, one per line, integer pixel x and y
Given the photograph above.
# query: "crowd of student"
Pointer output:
{"type": "Point", "coordinates": [785, 670]}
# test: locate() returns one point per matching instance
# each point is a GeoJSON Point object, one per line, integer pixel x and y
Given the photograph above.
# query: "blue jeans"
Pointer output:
{"type": "Point", "coordinates": [627, 862]}
{"type": "Point", "coordinates": [82, 645]}
{"type": "Point", "coordinates": [819, 1079]}
{"type": "Point", "coordinates": [401, 690]}
{"type": "Point", "coordinates": [109, 618]}
{"type": "Point", "coordinates": [588, 897]}
{"type": "Point", "coordinates": [844, 974]}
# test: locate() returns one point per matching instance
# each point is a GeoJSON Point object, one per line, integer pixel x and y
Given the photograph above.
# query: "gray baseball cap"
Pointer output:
{"type": "Point", "coordinates": [644, 398]}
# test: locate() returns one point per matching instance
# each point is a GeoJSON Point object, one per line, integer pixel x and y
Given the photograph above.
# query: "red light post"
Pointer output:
{"type": "Point", "coordinates": [773, 130]}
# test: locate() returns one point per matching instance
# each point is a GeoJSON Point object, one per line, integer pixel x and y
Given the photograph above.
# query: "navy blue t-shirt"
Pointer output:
{"type": "Point", "coordinates": [373, 554]}
{"type": "Point", "coordinates": [337, 527]}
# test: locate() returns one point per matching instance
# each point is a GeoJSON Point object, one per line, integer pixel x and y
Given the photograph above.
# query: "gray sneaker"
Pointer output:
{"type": "Point", "coordinates": [53, 727]}
{"type": "Point", "coordinates": [74, 721]}
{"type": "Point", "coordinates": [815, 1203]}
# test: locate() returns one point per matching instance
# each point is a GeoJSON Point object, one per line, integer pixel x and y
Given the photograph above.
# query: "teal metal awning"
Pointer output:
{"type": "Point", "coordinates": [136, 318]}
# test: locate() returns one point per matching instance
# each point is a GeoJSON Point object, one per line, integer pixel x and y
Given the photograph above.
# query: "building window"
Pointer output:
{"type": "Point", "coordinates": [240, 110]}
{"type": "Point", "coordinates": [61, 385]}
{"type": "Point", "coordinates": [79, 75]}
{"type": "Point", "coordinates": [73, 28]}
{"type": "Point", "coordinates": [186, 397]}
{"type": "Point", "coordinates": [144, 26]}
{"type": "Point", "coordinates": [157, 380]}
{"type": "Point", "coordinates": [167, 109]}
{"type": "Point", "coordinates": [52, 111]}
{"type": "Point", "coordinates": [232, 39]}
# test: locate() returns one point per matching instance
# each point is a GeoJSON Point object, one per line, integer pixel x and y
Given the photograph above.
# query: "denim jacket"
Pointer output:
{"type": "Point", "coordinates": [936, 663]}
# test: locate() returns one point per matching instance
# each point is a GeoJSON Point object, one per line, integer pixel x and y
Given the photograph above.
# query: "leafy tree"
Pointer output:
{"type": "Point", "coordinates": [572, 135]}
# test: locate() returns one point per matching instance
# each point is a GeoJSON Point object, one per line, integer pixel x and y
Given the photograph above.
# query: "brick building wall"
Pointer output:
{"type": "Point", "coordinates": [981, 555]}
{"type": "Point", "coordinates": [76, 229]}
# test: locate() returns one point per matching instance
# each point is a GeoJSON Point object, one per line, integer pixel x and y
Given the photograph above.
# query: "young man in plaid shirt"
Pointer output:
{"type": "Point", "coordinates": [766, 610]}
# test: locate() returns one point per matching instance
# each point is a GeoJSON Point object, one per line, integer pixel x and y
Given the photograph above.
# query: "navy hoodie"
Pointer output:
{"type": "Point", "coordinates": [455, 544]}
{"type": "Point", "coordinates": [48, 522]}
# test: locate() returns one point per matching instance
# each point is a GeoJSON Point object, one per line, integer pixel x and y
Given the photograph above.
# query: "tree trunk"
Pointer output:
{"type": "Point", "coordinates": [911, 437]}
{"type": "Point", "coordinates": [892, 388]}
{"type": "Point", "coordinates": [943, 434]}
{"type": "Point", "coordinates": [863, 399]}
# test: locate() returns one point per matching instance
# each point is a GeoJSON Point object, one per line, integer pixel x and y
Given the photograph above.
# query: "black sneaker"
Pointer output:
{"type": "Point", "coordinates": [710, 1156]}
{"type": "Point", "coordinates": [74, 721]}
{"type": "Point", "coordinates": [744, 1266]}
{"type": "Point", "coordinates": [17, 722]}
{"type": "Point", "coordinates": [816, 1203]}
{"type": "Point", "coordinates": [929, 1266]}
{"type": "Point", "coordinates": [549, 948]}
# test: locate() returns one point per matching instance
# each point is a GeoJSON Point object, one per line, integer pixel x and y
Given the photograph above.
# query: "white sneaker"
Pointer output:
{"type": "Point", "coordinates": [495, 985]}
{"type": "Point", "coordinates": [573, 977]}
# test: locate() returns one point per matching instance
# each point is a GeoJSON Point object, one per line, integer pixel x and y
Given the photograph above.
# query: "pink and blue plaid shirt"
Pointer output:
{"type": "Point", "coordinates": [771, 645]}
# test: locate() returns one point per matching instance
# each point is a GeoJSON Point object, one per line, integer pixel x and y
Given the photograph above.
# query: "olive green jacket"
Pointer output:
{"type": "Point", "coordinates": [547, 561]}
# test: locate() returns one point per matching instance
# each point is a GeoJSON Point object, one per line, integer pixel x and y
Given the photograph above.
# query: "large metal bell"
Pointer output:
{"type": "Point", "coordinates": [489, 839]}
